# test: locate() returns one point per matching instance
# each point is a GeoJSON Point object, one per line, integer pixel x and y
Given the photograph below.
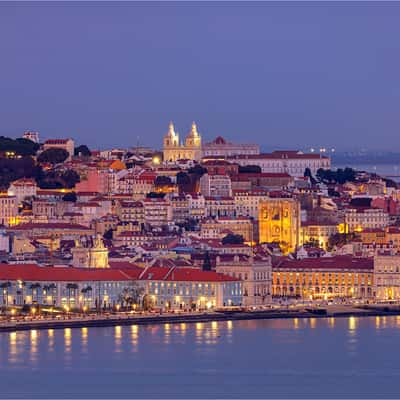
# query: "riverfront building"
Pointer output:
{"type": "Point", "coordinates": [161, 287]}
{"type": "Point", "coordinates": [323, 277]}
{"type": "Point", "coordinates": [387, 276]}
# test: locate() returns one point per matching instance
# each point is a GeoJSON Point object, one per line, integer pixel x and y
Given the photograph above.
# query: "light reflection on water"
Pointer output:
{"type": "Point", "coordinates": [210, 354]}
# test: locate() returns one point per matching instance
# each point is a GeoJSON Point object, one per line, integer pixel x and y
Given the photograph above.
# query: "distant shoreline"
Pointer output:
{"type": "Point", "coordinates": [192, 318]}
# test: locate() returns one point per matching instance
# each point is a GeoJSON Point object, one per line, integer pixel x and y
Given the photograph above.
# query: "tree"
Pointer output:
{"type": "Point", "coordinates": [163, 181]}
{"type": "Point", "coordinates": [82, 151]}
{"type": "Point", "coordinates": [70, 197]}
{"type": "Point", "coordinates": [339, 176]}
{"type": "Point", "coordinates": [20, 146]}
{"type": "Point", "coordinates": [182, 178]}
{"type": "Point", "coordinates": [131, 295]}
{"type": "Point", "coordinates": [108, 234]}
{"type": "Point", "coordinates": [308, 174]}
{"type": "Point", "coordinates": [249, 169]}
{"type": "Point", "coordinates": [231, 238]}
{"type": "Point", "coordinates": [340, 239]}
{"type": "Point", "coordinates": [71, 288]}
{"type": "Point", "coordinates": [35, 290]}
{"type": "Point", "coordinates": [197, 170]}
{"type": "Point", "coordinates": [53, 156]}
{"type": "Point", "coordinates": [70, 178]}
{"type": "Point", "coordinates": [312, 242]}
{"type": "Point", "coordinates": [207, 262]}
{"type": "Point", "coordinates": [13, 169]}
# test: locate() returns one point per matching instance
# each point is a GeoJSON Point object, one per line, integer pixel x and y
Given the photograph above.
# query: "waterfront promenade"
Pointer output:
{"type": "Point", "coordinates": [61, 321]}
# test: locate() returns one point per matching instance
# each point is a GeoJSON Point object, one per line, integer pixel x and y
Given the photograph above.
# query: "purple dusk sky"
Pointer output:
{"type": "Point", "coordinates": [281, 74]}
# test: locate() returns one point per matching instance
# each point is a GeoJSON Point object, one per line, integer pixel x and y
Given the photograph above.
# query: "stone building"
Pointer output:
{"type": "Point", "coordinates": [279, 222]}
{"type": "Point", "coordinates": [174, 150]}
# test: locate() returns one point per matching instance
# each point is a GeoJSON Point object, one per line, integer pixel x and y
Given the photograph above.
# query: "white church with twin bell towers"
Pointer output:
{"type": "Point", "coordinates": [191, 149]}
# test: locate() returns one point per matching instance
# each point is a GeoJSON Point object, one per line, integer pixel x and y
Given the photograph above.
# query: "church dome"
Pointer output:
{"type": "Point", "coordinates": [219, 140]}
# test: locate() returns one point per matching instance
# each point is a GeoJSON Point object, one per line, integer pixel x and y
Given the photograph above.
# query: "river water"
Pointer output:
{"type": "Point", "coordinates": [299, 358]}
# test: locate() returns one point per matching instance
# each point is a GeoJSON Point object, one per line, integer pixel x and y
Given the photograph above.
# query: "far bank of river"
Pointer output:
{"type": "Point", "coordinates": [129, 319]}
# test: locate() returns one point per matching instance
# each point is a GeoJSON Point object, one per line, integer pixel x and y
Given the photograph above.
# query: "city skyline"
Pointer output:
{"type": "Point", "coordinates": [283, 75]}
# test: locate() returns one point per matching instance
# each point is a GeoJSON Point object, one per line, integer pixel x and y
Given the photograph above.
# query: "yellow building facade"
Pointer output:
{"type": "Point", "coordinates": [279, 222]}
{"type": "Point", "coordinates": [173, 150]}
{"type": "Point", "coordinates": [324, 278]}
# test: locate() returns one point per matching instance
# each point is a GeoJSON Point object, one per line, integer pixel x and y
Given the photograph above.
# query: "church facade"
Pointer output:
{"type": "Point", "coordinates": [173, 150]}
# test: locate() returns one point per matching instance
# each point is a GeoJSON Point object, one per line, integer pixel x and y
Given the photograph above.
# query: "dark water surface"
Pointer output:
{"type": "Point", "coordinates": [342, 357]}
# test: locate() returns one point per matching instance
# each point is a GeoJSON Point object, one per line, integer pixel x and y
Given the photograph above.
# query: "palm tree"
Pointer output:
{"type": "Point", "coordinates": [5, 286]}
{"type": "Point", "coordinates": [50, 290]}
{"type": "Point", "coordinates": [20, 291]}
{"type": "Point", "coordinates": [35, 289]}
{"type": "Point", "coordinates": [71, 287]}
{"type": "Point", "coordinates": [85, 291]}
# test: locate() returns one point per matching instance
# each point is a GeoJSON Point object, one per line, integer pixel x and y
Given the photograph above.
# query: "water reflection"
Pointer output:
{"type": "Point", "coordinates": [134, 337]}
{"type": "Point", "coordinates": [118, 338]}
{"type": "Point", "coordinates": [67, 340]}
{"type": "Point", "coordinates": [352, 331]}
{"type": "Point", "coordinates": [50, 338]}
{"type": "Point", "coordinates": [296, 323]}
{"type": "Point", "coordinates": [34, 342]}
{"type": "Point", "coordinates": [84, 339]}
{"type": "Point", "coordinates": [313, 323]}
{"type": "Point", "coordinates": [331, 322]}
{"type": "Point", "coordinates": [352, 324]}
{"type": "Point", "coordinates": [13, 348]}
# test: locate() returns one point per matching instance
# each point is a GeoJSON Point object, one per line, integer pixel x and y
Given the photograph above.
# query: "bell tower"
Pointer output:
{"type": "Point", "coordinates": [171, 143]}
{"type": "Point", "coordinates": [193, 144]}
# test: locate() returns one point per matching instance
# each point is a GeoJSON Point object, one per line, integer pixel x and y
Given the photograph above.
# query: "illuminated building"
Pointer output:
{"type": "Point", "coordinates": [8, 210]}
{"type": "Point", "coordinates": [247, 202]}
{"type": "Point", "coordinates": [220, 147]}
{"type": "Point", "coordinates": [173, 150]}
{"type": "Point", "coordinates": [168, 288]}
{"type": "Point", "coordinates": [220, 206]}
{"type": "Point", "coordinates": [22, 188]}
{"type": "Point", "coordinates": [215, 185]}
{"type": "Point", "coordinates": [319, 232]}
{"type": "Point", "coordinates": [360, 218]}
{"type": "Point", "coordinates": [387, 276]}
{"type": "Point", "coordinates": [130, 210]}
{"type": "Point", "coordinates": [293, 163]}
{"type": "Point", "coordinates": [157, 211]}
{"type": "Point", "coordinates": [90, 254]}
{"type": "Point", "coordinates": [197, 206]}
{"type": "Point", "coordinates": [66, 144]}
{"type": "Point", "coordinates": [216, 228]}
{"type": "Point", "coordinates": [31, 135]}
{"type": "Point", "coordinates": [254, 272]}
{"type": "Point", "coordinates": [191, 288]}
{"type": "Point", "coordinates": [180, 208]}
{"type": "Point", "coordinates": [323, 277]}
{"type": "Point", "coordinates": [279, 222]}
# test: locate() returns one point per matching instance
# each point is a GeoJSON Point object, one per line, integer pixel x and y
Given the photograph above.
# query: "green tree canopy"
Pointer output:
{"type": "Point", "coordinates": [82, 150]}
{"type": "Point", "coordinates": [70, 197]}
{"type": "Point", "coordinates": [231, 238]}
{"type": "Point", "coordinates": [250, 169]}
{"type": "Point", "coordinates": [53, 156]}
{"type": "Point", "coordinates": [20, 146]}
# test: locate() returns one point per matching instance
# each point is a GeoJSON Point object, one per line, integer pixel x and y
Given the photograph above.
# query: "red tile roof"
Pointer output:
{"type": "Point", "coordinates": [325, 263]}
{"type": "Point", "coordinates": [34, 272]}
